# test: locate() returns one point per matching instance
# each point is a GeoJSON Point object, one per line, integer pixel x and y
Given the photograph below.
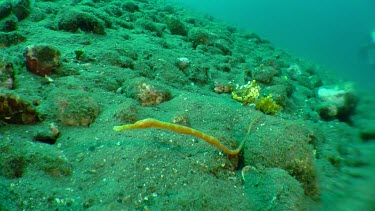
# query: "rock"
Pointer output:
{"type": "Point", "coordinates": [199, 74]}
{"type": "Point", "coordinates": [224, 46]}
{"type": "Point", "coordinates": [182, 63]}
{"type": "Point", "coordinates": [48, 135]}
{"type": "Point", "coordinates": [310, 82]}
{"type": "Point", "coordinates": [198, 36]}
{"type": "Point", "coordinates": [21, 9]}
{"type": "Point", "coordinates": [18, 157]}
{"type": "Point", "coordinates": [42, 59]}
{"type": "Point", "coordinates": [9, 24]}
{"type": "Point", "coordinates": [127, 112]}
{"type": "Point", "coordinates": [166, 72]}
{"type": "Point", "coordinates": [273, 189]}
{"type": "Point", "coordinates": [15, 110]}
{"type": "Point", "coordinates": [6, 74]}
{"type": "Point", "coordinates": [76, 108]}
{"type": "Point", "coordinates": [176, 27]}
{"type": "Point", "coordinates": [289, 88]}
{"type": "Point", "coordinates": [181, 119]}
{"type": "Point", "coordinates": [294, 71]}
{"type": "Point", "coordinates": [73, 20]}
{"type": "Point", "coordinates": [336, 102]}
{"type": "Point", "coordinates": [12, 166]}
{"type": "Point", "coordinates": [222, 87]}
{"type": "Point", "coordinates": [279, 93]}
{"type": "Point", "coordinates": [264, 74]}
{"type": "Point", "coordinates": [149, 25]}
{"type": "Point", "coordinates": [285, 145]}
{"type": "Point", "coordinates": [147, 93]}
{"type": "Point", "coordinates": [5, 9]}
{"type": "Point", "coordinates": [9, 39]}
{"type": "Point", "coordinates": [368, 134]}
{"type": "Point", "coordinates": [224, 67]}
{"type": "Point", "coordinates": [130, 7]}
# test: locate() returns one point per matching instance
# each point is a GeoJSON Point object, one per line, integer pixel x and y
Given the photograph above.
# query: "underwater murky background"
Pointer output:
{"type": "Point", "coordinates": [334, 33]}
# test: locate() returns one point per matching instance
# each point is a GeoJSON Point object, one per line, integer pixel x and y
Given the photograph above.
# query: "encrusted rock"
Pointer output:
{"type": "Point", "coordinates": [220, 87]}
{"type": "Point", "coordinates": [181, 119]}
{"type": "Point", "coordinates": [148, 94]}
{"type": "Point", "coordinates": [42, 59]}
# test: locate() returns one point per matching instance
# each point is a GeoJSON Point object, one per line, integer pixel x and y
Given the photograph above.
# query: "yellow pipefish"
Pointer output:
{"type": "Point", "coordinates": [153, 123]}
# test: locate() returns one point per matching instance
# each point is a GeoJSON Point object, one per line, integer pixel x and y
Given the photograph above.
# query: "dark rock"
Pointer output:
{"type": "Point", "coordinates": [21, 9]}
{"type": "Point", "coordinates": [198, 36]}
{"type": "Point", "coordinates": [152, 27]}
{"type": "Point", "coordinates": [5, 9]}
{"type": "Point", "coordinates": [15, 110]}
{"type": "Point", "coordinates": [74, 20]}
{"type": "Point", "coordinates": [264, 73]}
{"type": "Point", "coordinates": [266, 184]}
{"type": "Point", "coordinates": [279, 93]}
{"type": "Point", "coordinates": [199, 74]}
{"type": "Point", "coordinates": [284, 82]}
{"type": "Point", "coordinates": [285, 145]}
{"type": "Point", "coordinates": [310, 82]}
{"type": "Point", "coordinates": [223, 67]}
{"type": "Point", "coordinates": [12, 167]}
{"type": "Point", "coordinates": [223, 46]}
{"type": "Point", "coordinates": [6, 74]}
{"type": "Point", "coordinates": [176, 27]}
{"type": "Point", "coordinates": [368, 134]}
{"type": "Point", "coordinates": [9, 39]}
{"type": "Point", "coordinates": [9, 24]}
{"type": "Point", "coordinates": [130, 7]}
{"type": "Point", "coordinates": [47, 135]}
{"type": "Point", "coordinates": [123, 62]}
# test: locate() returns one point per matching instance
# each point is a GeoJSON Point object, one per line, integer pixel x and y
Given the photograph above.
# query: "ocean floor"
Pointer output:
{"type": "Point", "coordinates": [72, 70]}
